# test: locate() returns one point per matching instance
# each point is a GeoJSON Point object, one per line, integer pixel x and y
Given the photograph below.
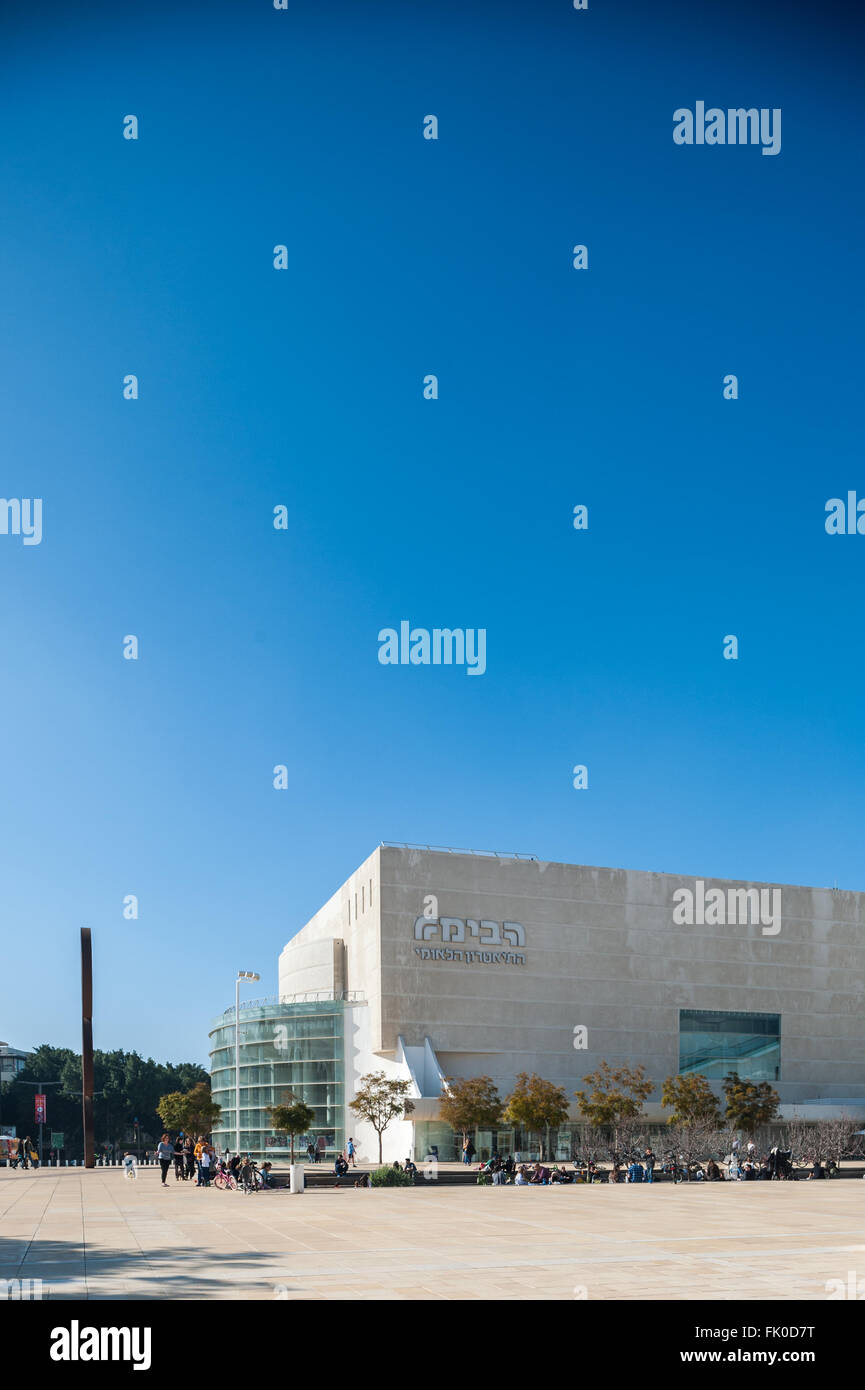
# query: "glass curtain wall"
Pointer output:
{"type": "Point", "coordinates": [295, 1048]}
{"type": "Point", "coordinates": [715, 1042]}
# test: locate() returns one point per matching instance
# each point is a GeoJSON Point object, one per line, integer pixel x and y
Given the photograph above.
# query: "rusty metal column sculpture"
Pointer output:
{"type": "Point", "coordinates": [87, 1048]}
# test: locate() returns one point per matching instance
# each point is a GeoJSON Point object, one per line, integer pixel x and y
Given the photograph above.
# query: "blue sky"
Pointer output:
{"type": "Point", "coordinates": [304, 388]}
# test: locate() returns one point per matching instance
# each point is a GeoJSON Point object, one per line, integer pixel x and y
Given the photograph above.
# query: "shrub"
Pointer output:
{"type": "Point", "coordinates": [390, 1177]}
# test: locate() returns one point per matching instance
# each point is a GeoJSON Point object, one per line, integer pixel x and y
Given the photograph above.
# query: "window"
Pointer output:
{"type": "Point", "coordinates": [714, 1043]}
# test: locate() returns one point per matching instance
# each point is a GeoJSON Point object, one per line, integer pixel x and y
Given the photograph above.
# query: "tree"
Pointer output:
{"type": "Point", "coordinates": [292, 1118]}
{"type": "Point", "coordinates": [617, 1094]}
{"type": "Point", "coordinates": [829, 1139]}
{"type": "Point", "coordinates": [535, 1105]}
{"type": "Point", "coordinates": [172, 1110]}
{"type": "Point", "coordinates": [631, 1133]}
{"type": "Point", "coordinates": [699, 1137]}
{"type": "Point", "coordinates": [127, 1087]}
{"type": "Point", "coordinates": [691, 1100]}
{"type": "Point", "coordinates": [196, 1112]}
{"type": "Point", "coordinates": [798, 1138]}
{"type": "Point", "coordinates": [379, 1100]}
{"type": "Point", "coordinates": [749, 1103]}
{"type": "Point", "coordinates": [472, 1103]}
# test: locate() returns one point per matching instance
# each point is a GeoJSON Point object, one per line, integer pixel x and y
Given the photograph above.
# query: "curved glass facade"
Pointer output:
{"type": "Point", "coordinates": [296, 1047]}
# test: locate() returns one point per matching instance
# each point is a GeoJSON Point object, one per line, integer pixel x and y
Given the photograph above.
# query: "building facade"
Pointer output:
{"type": "Point", "coordinates": [12, 1061]}
{"type": "Point", "coordinates": [292, 1046]}
{"type": "Point", "coordinates": [462, 964]}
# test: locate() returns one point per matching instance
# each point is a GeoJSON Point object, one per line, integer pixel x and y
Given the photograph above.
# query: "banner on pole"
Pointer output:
{"type": "Point", "coordinates": [40, 1110]}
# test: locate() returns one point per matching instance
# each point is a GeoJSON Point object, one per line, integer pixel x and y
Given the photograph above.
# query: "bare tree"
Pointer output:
{"type": "Point", "coordinates": [799, 1137]}
{"type": "Point", "coordinates": [834, 1137]}
{"type": "Point", "coordinates": [698, 1140]}
{"type": "Point", "coordinates": [631, 1132]}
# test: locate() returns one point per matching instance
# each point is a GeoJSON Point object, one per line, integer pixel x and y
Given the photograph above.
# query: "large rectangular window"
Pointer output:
{"type": "Point", "coordinates": [714, 1042]}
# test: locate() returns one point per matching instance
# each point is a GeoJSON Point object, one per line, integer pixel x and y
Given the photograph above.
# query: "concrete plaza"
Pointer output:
{"type": "Point", "coordinates": [96, 1235]}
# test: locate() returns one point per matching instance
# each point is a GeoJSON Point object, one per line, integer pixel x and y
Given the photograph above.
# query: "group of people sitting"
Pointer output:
{"type": "Point", "coordinates": [499, 1172]}
{"type": "Point", "coordinates": [340, 1167]}
{"type": "Point", "coordinates": [776, 1165]}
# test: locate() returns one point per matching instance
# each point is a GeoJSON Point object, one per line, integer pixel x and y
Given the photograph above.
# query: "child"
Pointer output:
{"type": "Point", "coordinates": [130, 1168]}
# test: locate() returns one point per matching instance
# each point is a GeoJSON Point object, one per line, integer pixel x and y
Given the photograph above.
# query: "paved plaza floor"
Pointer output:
{"type": "Point", "coordinates": [96, 1235]}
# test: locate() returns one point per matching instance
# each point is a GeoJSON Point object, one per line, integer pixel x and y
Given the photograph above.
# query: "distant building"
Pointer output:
{"type": "Point", "coordinates": [12, 1061]}
{"type": "Point", "coordinates": [427, 964]}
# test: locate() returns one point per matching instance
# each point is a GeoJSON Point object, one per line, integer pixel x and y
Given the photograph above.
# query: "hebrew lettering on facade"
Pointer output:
{"type": "Point", "coordinates": [495, 939]}
{"type": "Point", "coordinates": [486, 932]}
{"type": "Point", "coordinates": [453, 929]}
{"type": "Point", "coordinates": [424, 928]}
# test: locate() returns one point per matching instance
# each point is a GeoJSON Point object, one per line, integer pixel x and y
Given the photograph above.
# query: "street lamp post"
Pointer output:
{"type": "Point", "coordinates": [40, 1087]}
{"type": "Point", "coordinates": [241, 976]}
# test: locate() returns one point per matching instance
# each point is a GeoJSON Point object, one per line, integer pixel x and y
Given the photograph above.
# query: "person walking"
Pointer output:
{"type": "Point", "coordinates": [206, 1162]}
{"type": "Point", "coordinates": [320, 1148]}
{"type": "Point", "coordinates": [188, 1158]}
{"type": "Point", "coordinates": [24, 1152]}
{"type": "Point", "coordinates": [310, 1151]}
{"type": "Point", "coordinates": [196, 1153]}
{"type": "Point", "coordinates": [650, 1165]}
{"type": "Point", "coordinates": [349, 1153]}
{"type": "Point", "coordinates": [165, 1155]}
{"type": "Point", "coordinates": [178, 1159]}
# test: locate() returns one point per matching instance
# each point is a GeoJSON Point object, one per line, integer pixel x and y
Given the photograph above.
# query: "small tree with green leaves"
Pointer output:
{"type": "Point", "coordinates": [171, 1110]}
{"type": "Point", "coordinates": [749, 1103]}
{"type": "Point", "coordinates": [293, 1117]}
{"type": "Point", "coordinates": [194, 1111]}
{"type": "Point", "coordinates": [691, 1100]}
{"type": "Point", "coordinates": [380, 1099]}
{"type": "Point", "coordinates": [536, 1105]}
{"type": "Point", "coordinates": [617, 1094]}
{"type": "Point", "coordinates": [468, 1104]}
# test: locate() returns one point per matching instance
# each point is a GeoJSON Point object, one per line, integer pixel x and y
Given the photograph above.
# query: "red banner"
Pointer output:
{"type": "Point", "coordinates": [40, 1110]}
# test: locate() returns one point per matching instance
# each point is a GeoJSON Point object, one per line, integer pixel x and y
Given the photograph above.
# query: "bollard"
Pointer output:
{"type": "Point", "coordinates": [296, 1177]}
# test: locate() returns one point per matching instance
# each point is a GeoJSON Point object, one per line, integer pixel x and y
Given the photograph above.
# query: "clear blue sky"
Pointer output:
{"type": "Point", "coordinates": [303, 387]}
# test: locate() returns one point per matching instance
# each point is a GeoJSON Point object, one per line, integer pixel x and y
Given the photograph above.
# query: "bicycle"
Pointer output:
{"type": "Point", "coordinates": [225, 1181]}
